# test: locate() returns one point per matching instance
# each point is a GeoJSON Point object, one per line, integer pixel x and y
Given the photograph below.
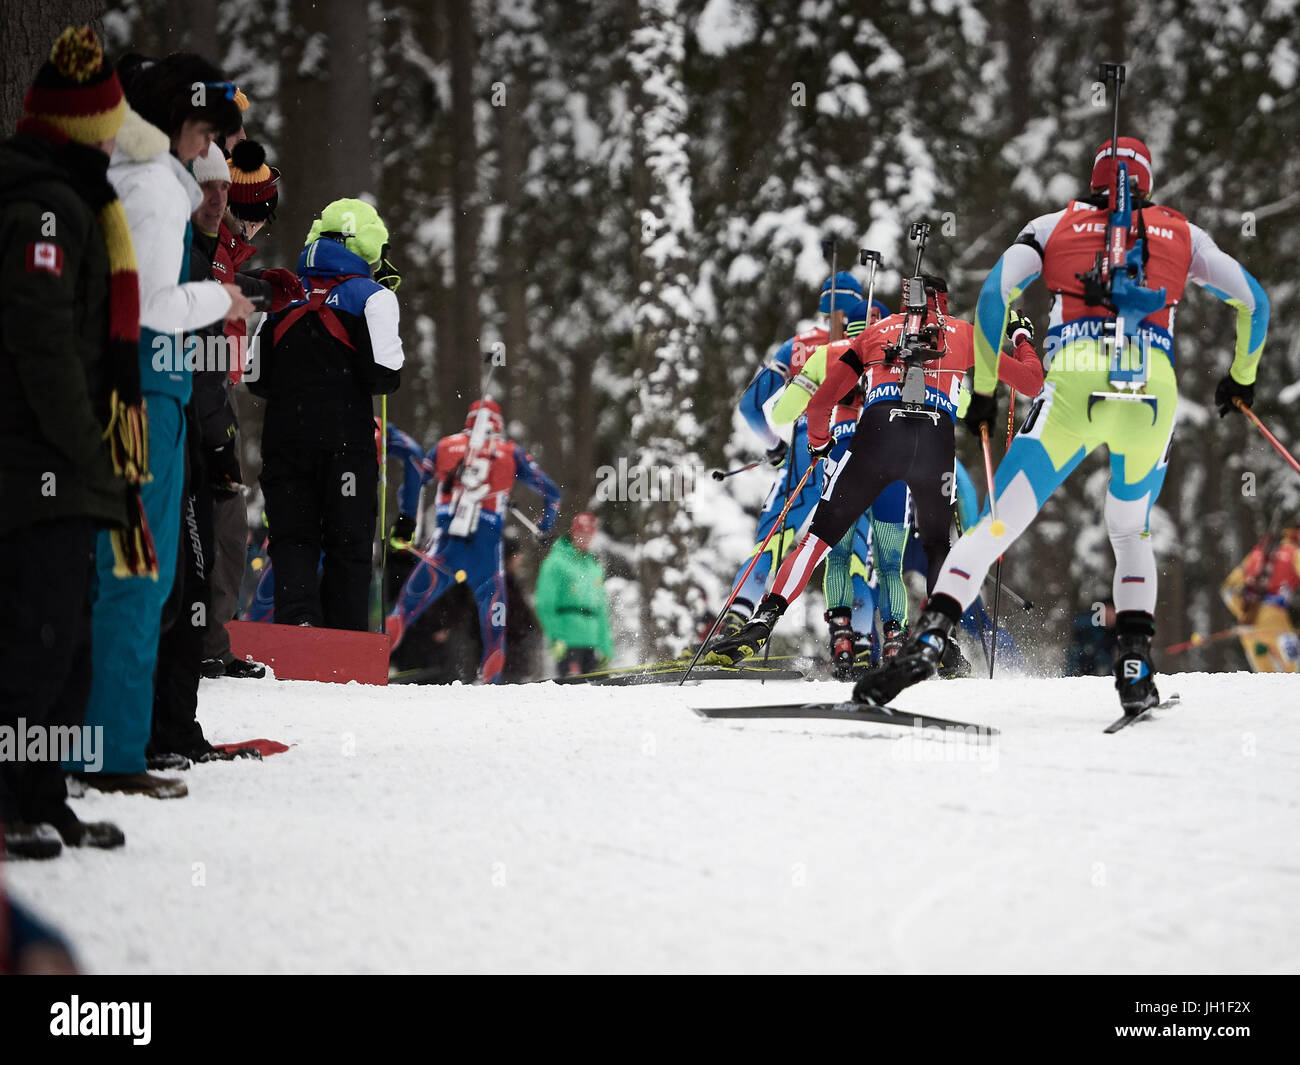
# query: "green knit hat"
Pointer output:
{"type": "Point", "coordinates": [357, 221]}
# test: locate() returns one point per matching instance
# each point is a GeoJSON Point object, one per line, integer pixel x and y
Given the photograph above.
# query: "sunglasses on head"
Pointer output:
{"type": "Point", "coordinates": [228, 88]}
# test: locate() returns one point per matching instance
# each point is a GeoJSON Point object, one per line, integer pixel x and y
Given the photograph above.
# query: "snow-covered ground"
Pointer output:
{"type": "Point", "coordinates": [547, 828]}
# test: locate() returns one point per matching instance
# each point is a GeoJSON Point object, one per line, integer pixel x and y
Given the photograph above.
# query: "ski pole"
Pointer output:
{"type": "Point", "coordinates": [997, 576]}
{"type": "Point", "coordinates": [383, 506]}
{"type": "Point", "coordinates": [523, 519]}
{"type": "Point", "coordinates": [1019, 600]}
{"type": "Point", "coordinates": [1281, 450]}
{"type": "Point", "coordinates": [998, 529]}
{"type": "Point", "coordinates": [1198, 640]}
{"type": "Point", "coordinates": [432, 562]}
{"type": "Point", "coordinates": [748, 570]}
{"type": "Point", "coordinates": [780, 543]}
{"type": "Point", "coordinates": [721, 475]}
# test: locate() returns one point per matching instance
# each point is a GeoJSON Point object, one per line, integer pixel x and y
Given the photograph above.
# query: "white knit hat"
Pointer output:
{"type": "Point", "coordinates": [211, 166]}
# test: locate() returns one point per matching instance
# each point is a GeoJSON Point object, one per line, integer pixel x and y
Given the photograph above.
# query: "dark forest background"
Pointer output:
{"type": "Point", "coordinates": [627, 199]}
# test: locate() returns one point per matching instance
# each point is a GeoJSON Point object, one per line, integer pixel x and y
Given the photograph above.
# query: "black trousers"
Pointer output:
{"type": "Point", "coordinates": [914, 450]}
{"type": "Point", "coordinates": [321, 503]}
{"type": "Point", "coordinates": [46, 578]}
{"type": "Point", "coordinates": [577, 660]}
{"type": "Point", "coordinates": [175, 728]}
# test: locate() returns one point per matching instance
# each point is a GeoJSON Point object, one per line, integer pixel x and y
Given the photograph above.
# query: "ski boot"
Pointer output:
{"type": "Point", "coordinates": [1134, 674]}
{"type": "Point", "coordinates": [732, 622]}
{"type": "Point", "coordinates": [843, 650]}
{"type": "Point", "coordinates": [895, 637]}
{"type": "Point", "coordinates": [918, 660]}
{"type": "Point", "coordinates": [864, 652]}
{"type": "Point", "coordinates": [750, 638]}
{"type": "Point", "coordinates": [954, 663]}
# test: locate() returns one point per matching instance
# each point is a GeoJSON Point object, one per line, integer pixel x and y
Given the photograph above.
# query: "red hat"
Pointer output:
{"type": "Point", "coordinates": [495, 421]}
{"type": "Point", "coordinates": [254, 186]}
{"type": "Point", "coordinates": [1135, 155]}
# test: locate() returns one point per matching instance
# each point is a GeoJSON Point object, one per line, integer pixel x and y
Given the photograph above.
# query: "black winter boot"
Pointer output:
{"type": "Point", "coordinates": [1134, 673]}
{"type": "Point", "coordinates": [751, 638]}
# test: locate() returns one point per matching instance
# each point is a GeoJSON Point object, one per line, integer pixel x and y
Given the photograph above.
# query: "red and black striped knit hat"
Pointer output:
{"type": "Point", "coordinates": [76, 90]}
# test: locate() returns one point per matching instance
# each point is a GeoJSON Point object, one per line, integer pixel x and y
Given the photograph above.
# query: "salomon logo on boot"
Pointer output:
{"type": "Point", "coordinates": [1134, 673]}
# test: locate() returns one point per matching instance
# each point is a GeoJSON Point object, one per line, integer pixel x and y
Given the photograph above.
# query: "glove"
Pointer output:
{"type": "Point", "coordinates": [776, 454]}
{"type": "Point", "coordinates": [385, 272]}
{"type": "Point", "coordinates": [983, 410]}
{"type": "Point", "coordinates": [1229, 390]}
{"type": "Point", "coordinates": [286, 288]}
{"type": "Point", "coordinates": [1019, 327]}
{"type": "Point", "coordinates": [403, 532]}
{"type": "Point", "coordinates": [821, 451]}
{"type": "Point", "coordinates": [558, 650]}
{"type": "Point", "coordinates": [547, 523]}
{"type": "Point", "coordinates": [224, 476]}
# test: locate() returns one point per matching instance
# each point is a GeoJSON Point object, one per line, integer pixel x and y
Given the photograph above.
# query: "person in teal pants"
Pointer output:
{"type": "Point", "coordinates": [169, 126]}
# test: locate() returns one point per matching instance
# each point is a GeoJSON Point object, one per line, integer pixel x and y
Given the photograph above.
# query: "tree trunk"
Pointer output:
{"type": "Point", "coordinates": [325, 98]}
{"type": "Point", "coordinates": [460, 362]}
{"type": "Point", "coordinates": [28, 31]}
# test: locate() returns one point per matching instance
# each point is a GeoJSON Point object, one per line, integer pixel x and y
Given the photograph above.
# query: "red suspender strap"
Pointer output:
{"type": "Point", "coordinates": [319, 290]}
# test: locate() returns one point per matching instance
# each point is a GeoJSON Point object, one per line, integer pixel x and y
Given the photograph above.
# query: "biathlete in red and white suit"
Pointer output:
{"type": "Point", "coordinates": [475, 470]}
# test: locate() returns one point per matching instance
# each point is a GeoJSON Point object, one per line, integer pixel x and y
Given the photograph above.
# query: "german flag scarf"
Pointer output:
{"type": "Point", "coordinates": [126, 424]}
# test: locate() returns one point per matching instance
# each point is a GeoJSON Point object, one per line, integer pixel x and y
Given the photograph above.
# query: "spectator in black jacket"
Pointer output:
{"type": "Point", "coordinates": [67, 347]}
{"type": "Point", "coordinates": [321, 364]}
{"type": "Point", "coordinates": [176, 737]}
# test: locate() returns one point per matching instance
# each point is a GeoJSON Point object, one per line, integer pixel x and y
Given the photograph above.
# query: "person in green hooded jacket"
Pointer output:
{"type": "Point", "coordinates": [571, 601]}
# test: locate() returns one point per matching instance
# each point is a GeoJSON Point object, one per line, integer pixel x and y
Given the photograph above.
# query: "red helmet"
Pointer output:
{"type": "Point", "coordinates": [1136, 157]}
{"type": "Point", "coordinates": [495, 422]}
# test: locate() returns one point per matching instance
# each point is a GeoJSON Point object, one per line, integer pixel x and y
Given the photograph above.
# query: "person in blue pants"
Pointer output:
{"type": "Point", "coordinates": [791, 460]}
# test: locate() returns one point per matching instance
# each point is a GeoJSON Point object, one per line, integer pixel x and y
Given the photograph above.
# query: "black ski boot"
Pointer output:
{"type": "Point", "coordinates": [1134, 674]}
{"type": "Point", "coordinates": [732, 622]}
{"type": "Point", "coordinates": [895, 637]}
{"type": "Point", "coordinates": [864, 652]}
{"type": "Point", "coordinates": [843, 650]}
{"type": "Point", "coordinates": [954, 664]}
{"type": "Point", "coordinates": [751, 638]}
{"type": "Point", "coordinates": [919, 658]}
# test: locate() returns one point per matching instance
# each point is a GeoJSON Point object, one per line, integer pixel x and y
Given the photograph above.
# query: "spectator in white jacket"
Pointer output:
{"type": "Point", "coordinates": [180, 104]}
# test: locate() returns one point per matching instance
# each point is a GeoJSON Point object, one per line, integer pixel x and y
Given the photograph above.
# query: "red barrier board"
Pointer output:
{"type": "Point", "coordinates": [300, 652]}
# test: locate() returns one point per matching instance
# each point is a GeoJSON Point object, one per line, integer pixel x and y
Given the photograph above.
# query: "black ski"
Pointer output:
{"type": "Point", "coordinates": [673, 674]}
{"type": "Point", "coordinates": [1128, 719]}
{"type": "Point", "coordinates": [885, 715]}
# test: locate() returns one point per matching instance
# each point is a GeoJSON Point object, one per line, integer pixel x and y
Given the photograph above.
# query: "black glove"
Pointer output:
{"type": "Point", "coordinates": [822, 452]}
{"type": "Point", "coordinates": [224, 476]}
{"type": "Point", "coordinates": [403, 531]}
{"type": "Point", "coordinates": [1019, 323]}
{"type": "Point", "coordinates": [776, 454]}
{"type": "Point", "coordinates": [1229, 390]}
{"type": "Point", "coordinates": [385, 272]}
{"type": "Point", "coordinates": [983, 410]}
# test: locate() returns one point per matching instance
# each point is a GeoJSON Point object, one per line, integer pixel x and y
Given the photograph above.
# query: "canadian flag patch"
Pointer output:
{"type": "Point", "coordinates": [44, 257]}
